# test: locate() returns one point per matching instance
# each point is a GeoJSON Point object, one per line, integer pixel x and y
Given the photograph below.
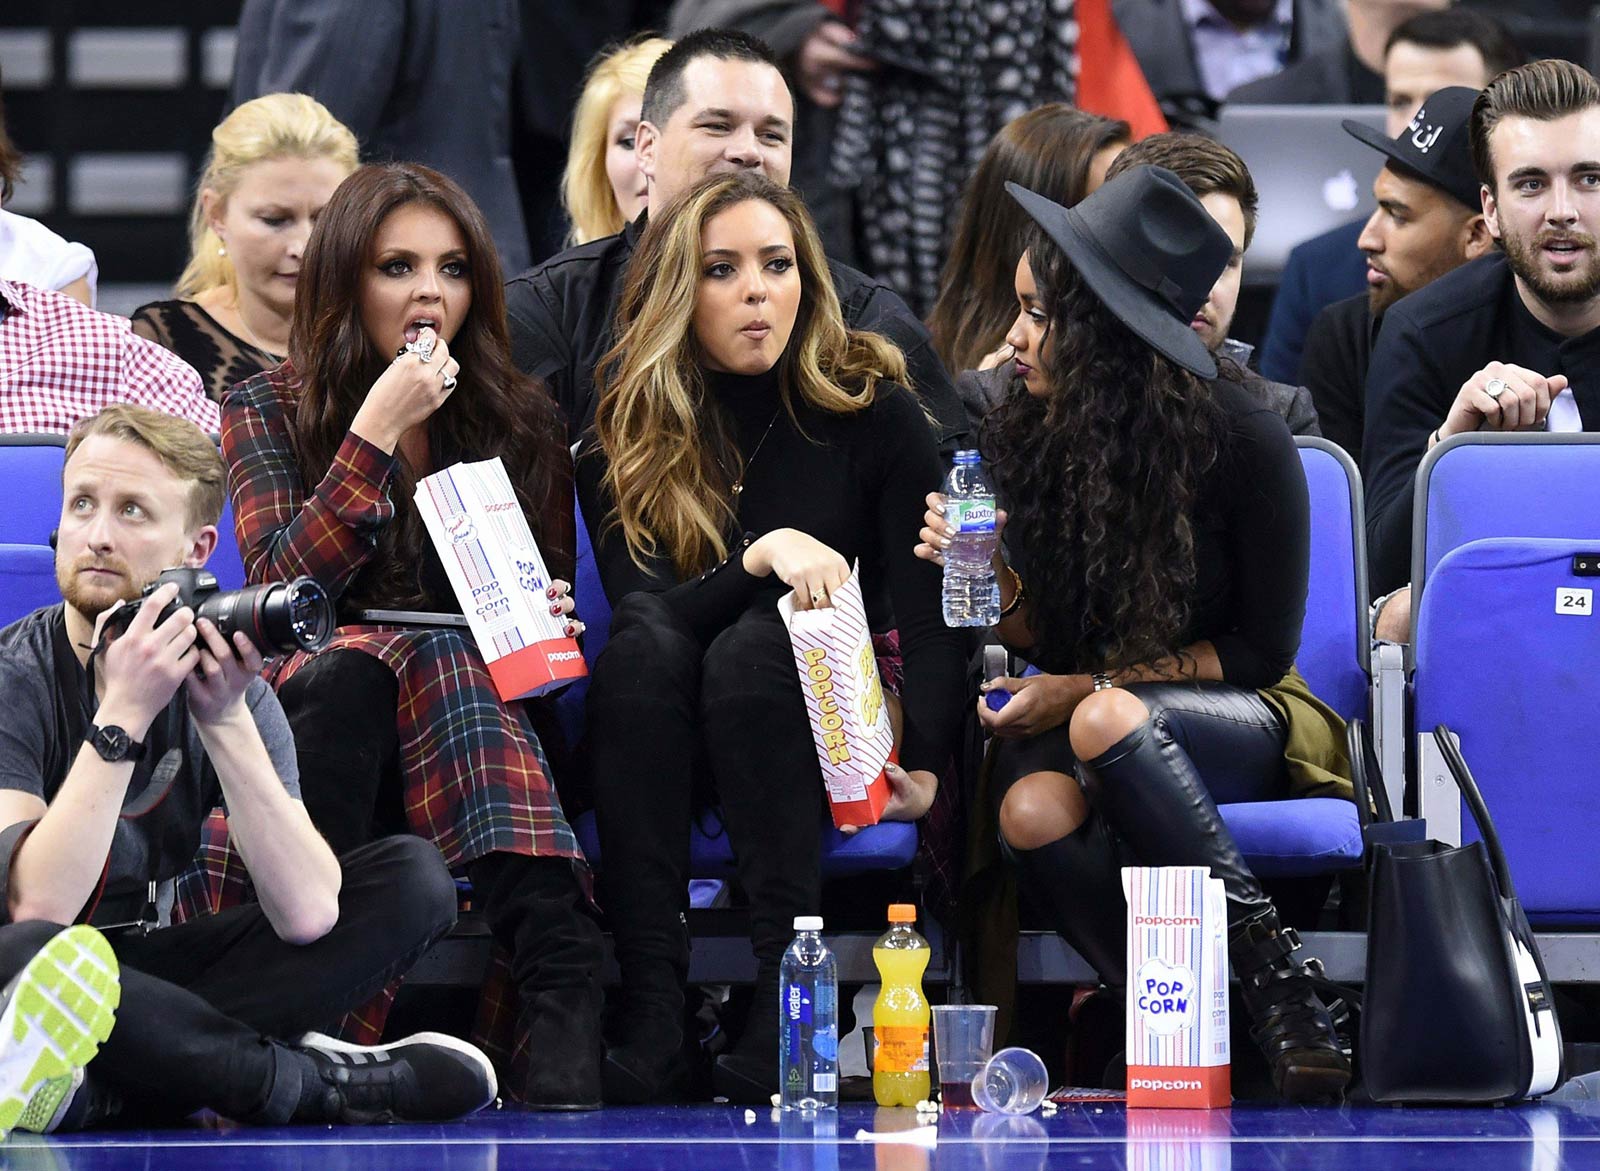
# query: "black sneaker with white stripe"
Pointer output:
{"type": "Point", "coordinates": [428, 1077]}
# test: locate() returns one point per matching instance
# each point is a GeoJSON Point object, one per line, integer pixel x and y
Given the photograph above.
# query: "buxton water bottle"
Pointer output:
{"type": "Point", "coordinates": [808, 1017]}
{"type": "Point", "coordinates": [971, 590]}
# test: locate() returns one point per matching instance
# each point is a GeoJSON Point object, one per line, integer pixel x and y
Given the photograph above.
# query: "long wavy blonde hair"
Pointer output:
{"type": "Point", "coordinates": [274, 126]}
{"type": "Point", "coordinates": [585, 187]}
{"type": "Point", "coordinates": [670, 460]}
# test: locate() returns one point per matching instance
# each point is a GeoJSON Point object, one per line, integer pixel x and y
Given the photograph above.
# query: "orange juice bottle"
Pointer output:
{"type": "Point", "coordinates": [900, 1016]}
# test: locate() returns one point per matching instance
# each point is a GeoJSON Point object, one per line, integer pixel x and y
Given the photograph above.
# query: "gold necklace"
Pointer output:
{"type": "Point", "coordinates": [738, 485]}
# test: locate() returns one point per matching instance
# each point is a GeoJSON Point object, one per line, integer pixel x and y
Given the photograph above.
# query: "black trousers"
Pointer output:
{"type": "Point", "coordinates": [206, 1003]}
{"type": "Point", "coordinates": [1153, 801]}
{"type": "Point", "coordinates": [662, 709]}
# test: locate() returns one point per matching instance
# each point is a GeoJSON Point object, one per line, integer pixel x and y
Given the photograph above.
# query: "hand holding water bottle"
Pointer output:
{"type": "Point", "coordinates": [934, 536]}
{"type": "Point", "coordinates": [964, 539]}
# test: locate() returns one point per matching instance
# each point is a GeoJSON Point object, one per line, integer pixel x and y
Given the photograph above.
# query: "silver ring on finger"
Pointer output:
{"type": "Point", "coordinates": [1494, 388]}
{"type": "Point", "coordinates": [819, 596]}
{"type": "Point", "coordinates": [449, 381]}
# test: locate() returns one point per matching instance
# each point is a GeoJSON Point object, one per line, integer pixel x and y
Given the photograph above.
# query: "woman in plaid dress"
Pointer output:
{"type": "Point", "coordinates": [399, 366]}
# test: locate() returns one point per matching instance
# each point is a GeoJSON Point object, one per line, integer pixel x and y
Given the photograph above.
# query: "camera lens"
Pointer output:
{"type": "Point", "coordinates": [279, 618]}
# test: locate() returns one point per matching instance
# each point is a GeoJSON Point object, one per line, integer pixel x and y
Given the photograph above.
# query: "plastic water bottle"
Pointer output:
{"type": "Point", "coordinates": [808, 1017]}
{"type": "Point", "coordinates": [971, 590]}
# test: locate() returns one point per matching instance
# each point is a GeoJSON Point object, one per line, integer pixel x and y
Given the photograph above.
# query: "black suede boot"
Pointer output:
{"type": "Point", "coordinates": [1290, 1023]}
{"type": "Point", "coordinates": [537, 911]}
{"type": "Point", "coordinates": [1148, 789]}
{"type": "Point", "coordinates": [747, 1075]}
{"type": "Point", "coordinates": [647, 1062]}
{"type": "Point", "coordinates": [1077, 882]}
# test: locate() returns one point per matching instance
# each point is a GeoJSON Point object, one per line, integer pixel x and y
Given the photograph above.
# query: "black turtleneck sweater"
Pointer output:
{"type": "Point", "coordinates": [857, 483]}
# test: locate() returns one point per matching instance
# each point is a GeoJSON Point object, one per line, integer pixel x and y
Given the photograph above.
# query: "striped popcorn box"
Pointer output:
{"type": "Point", "coordinates": [499, 577]}
{"type": "Point", "coordinates": [844, 697]}
{"type": "Point", "coordinates": [1177, 1044]}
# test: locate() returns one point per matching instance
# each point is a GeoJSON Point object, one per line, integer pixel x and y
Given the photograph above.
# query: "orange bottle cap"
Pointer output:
{"type": "Point", "coordinates": [902, 913]}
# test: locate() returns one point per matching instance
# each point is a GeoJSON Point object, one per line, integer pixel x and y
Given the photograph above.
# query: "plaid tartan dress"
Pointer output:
{"type": "Point", "coordinates": [475, 776]}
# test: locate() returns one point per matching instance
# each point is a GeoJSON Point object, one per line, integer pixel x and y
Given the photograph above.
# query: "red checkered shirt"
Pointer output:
{"type": "Point", "coordinates": [61, 361]}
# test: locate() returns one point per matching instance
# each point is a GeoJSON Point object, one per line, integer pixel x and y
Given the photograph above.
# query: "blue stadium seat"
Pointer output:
{"type": "Point", "coordinates": [1516, 675]}
{"type": "Point", "coordinates": [1317, 835]}
{"type": "Point", "coordinates": [30, 469]}
{"type": "Point", "coordinates": [27, 580]}
{"type": "Point", "coordinates": [886, 846]}
{"type": "Point", "coordinates": [1478, 485]}
{"type": "Point", "coordinates": [226, 564]}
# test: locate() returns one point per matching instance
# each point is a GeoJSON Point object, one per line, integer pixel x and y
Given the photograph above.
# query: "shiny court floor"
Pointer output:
{"type": "Point", "coordinates": [1246, 1138]}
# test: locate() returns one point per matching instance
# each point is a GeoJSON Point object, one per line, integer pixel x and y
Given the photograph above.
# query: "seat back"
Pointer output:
{"type": "Point", "coordinates": [1334, 639]}
{"type": "Point", "coordinates": [594, 609]}
{"type": "Point", "coordinates": [30, 469]}
{"type": "Point", "coordinates": [226, 564]}
{"type": "Point", "coordinates": [1513, 668]}
{"type": "Point", "coordinates": [1491, 485]}
{"type": "Point", "coordinates": [27, 580]}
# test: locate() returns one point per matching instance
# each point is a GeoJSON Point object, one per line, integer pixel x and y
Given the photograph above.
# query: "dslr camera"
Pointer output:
{"type": "Point", "coordinates": [279, 617]}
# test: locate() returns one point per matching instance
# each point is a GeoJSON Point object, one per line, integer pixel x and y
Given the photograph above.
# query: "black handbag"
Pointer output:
{"type": "Point", "coordinates": [1457, 1006]}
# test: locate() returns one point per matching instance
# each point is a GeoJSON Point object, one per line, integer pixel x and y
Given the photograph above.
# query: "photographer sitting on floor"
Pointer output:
{"type": "Point", "coordinates": [115, 748]}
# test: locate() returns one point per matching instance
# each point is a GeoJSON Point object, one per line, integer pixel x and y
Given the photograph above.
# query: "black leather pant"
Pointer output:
{"type": "Point", "coordinates": [1153, 798]}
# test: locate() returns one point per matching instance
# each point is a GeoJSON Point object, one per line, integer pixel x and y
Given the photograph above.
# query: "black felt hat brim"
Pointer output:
{"type": "Point", "coordinates": [1141, 310]}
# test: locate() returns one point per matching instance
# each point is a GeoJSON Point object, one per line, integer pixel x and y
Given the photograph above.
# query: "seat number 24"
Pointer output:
{"type": "Point", "coordinates": [1574, 601]}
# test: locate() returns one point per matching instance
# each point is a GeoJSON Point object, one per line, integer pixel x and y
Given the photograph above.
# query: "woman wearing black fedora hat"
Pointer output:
{"type": "Point", "coordinates": [1154, 566]}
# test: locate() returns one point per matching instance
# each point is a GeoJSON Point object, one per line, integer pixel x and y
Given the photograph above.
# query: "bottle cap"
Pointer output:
{"type": "Point", "coordinates": [969, 456]}
{"type": "Point", "coordinates": [902, 913]}
{"type": "Point", "coordinates": [808, 923]}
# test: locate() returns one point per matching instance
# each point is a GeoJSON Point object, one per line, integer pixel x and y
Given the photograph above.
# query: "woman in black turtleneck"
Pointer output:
{"type": "Point", "coordinates": [746, 444]}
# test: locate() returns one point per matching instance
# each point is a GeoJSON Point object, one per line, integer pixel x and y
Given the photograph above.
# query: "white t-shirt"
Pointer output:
{"type": "Point", "coordinates": [32, 254]}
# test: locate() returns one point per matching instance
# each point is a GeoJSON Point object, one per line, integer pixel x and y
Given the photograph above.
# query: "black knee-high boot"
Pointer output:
{"type": "Point", "coordinates": [1076, 880]}
{"type": "Point", "coordinates": [536, 910]}
{"type": "Point", "coordinates": [1148, 789]}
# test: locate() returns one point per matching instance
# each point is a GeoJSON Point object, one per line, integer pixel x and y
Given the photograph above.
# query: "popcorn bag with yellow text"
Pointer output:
{"type": "Point", "coordinates": [499, 577]}
{"type": "Point", "coordinates": [1177, 1044]}
{"type": "Point", "coordinates": [844, 698]}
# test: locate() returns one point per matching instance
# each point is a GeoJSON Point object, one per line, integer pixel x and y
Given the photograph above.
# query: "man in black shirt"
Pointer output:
{"type": "Point", "coordinates": [1509, 342]}
{"type": "Point", "coordinates": [1428, 222]}
{"type": "Point", "coordinates": [114, 749]}
{"type": "Point", "coordinates": [716, 101]}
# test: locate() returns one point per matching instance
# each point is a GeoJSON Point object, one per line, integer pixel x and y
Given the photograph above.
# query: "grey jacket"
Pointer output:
{"type": "Point", "coordinates": [979, 390]}
{"type": "Point", "coordinates": [426, 81]}
{"type": "Point", "coordinates": [1156, 32]}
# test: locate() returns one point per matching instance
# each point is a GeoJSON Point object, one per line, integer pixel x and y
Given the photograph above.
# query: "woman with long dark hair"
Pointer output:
{"type": "Point", "coordinates": [747, 443]}
{"type": "Point", "coordinates": [398, 367]}
{"type": "Point", "coordinates": [1154, 566]}
{"type": "Point", "coordinates": [1057, 150]}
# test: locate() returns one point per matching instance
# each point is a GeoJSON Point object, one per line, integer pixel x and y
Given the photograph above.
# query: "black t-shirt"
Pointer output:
{"type": "Point", "coordinates": [49, 705]}
{"type": "Point", "coordinates": [858, 484]}
{"type": "Point", "coordinates": [1252, 549]}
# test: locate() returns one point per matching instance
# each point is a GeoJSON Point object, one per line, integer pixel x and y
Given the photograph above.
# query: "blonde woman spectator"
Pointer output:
{"type": "Point", "coordinates": [31, 253]}
{"type": "Point", "coordinates": [274, 164]}
{"type": "Point", "coordinates": [602, 188]}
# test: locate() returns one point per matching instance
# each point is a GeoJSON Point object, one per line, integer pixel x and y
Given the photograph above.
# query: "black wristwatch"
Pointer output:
{"type": "Point", "coordinates": [113, 744]}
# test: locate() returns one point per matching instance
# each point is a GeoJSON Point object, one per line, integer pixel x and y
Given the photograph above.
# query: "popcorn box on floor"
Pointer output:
{"type": "Point", "coordinates": [1177, 1043]}
{"type": "Point", "coordinates": [844, 698]}
{"type": "Point", "coordinates": [499, 577]}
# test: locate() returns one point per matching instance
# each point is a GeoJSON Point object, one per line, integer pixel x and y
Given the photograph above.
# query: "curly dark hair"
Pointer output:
{"type": "Point", "coordinates": [1102, 477]}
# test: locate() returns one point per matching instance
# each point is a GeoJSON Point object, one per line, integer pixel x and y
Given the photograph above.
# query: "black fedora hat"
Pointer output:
{"type": "Point", "coordinates": [1147, 248]}
{"type": "Point", "coordinates": [1436, 146]}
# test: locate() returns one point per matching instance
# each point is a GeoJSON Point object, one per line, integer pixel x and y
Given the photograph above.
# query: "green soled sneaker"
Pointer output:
{"type": "Point", "coordinates": [57, 1012]}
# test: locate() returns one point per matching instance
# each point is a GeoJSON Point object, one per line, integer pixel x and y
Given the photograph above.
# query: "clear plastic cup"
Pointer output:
{"type": "Point", "coordinates": [1013, 1081]}
{"type": "Point", "coordinates": [963, 1038]}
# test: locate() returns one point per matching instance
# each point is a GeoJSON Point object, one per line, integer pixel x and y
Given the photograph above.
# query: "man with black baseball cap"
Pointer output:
{"type": "Point", "coordinates": [1428, 222]}
{"type": "Point", "coordinates": [1509, 342]}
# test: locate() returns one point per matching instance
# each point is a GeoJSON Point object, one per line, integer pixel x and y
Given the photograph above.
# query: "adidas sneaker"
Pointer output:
{"type": "Point", "coordinates": [427, 1077]}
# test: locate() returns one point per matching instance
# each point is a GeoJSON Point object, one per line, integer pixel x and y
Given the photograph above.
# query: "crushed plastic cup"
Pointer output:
{"type": "Point", "coordinates": [1013, 1081]}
